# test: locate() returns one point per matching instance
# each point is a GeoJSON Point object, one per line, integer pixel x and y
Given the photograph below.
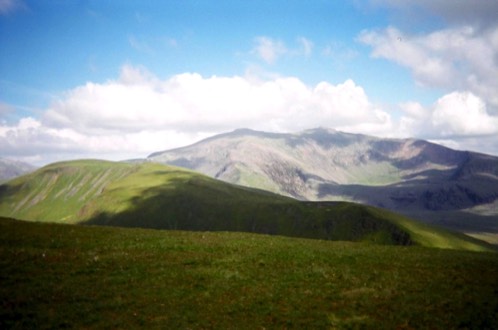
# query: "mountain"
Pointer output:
{"type": "Point", "coordinates": [457, 189]}
{"type": "Point", "coordinates": [10, 169]}
{"type": "Point", "coordinates": [151, 195]}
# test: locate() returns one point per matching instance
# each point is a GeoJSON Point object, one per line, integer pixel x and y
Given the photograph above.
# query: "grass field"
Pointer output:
{"type": "Point", "coordinates": [71, 276]}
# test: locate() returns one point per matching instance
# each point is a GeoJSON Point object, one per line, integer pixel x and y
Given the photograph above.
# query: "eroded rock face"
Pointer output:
{"type": "Point", "coordinates": [404, 175]}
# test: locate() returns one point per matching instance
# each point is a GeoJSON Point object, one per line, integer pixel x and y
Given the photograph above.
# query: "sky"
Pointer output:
{"type": "Point", "coordinates": [122, 79]}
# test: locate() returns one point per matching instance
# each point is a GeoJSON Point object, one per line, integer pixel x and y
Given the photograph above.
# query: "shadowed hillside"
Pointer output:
{"type": "Point", "coordinates": [163, 197]}
{"type": "Point", "coordinates": [435, 184]}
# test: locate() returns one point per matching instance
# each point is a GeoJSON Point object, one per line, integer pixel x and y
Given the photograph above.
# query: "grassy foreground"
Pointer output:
{"type": "Point", "coordinates": [56, 276]}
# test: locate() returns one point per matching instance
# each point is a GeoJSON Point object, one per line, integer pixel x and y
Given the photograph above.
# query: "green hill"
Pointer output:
{"type": "Point", "coordinates": [420, 179]}
{"type": "Point", "coordinates": [69, 276]}
{"type": "Point", "coordinates": [151, 195]}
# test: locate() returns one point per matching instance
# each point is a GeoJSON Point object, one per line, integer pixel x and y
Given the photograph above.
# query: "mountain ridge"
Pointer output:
{"type": "Point", "coordinates": [10, 169]}
{"type": "Point", "coordinates": [150, 195]}
{"type": "Point", "coordinates": [410, 176]}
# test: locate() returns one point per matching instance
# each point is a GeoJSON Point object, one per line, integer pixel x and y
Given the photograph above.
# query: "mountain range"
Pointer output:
{"type": "Point", "coordinates": [422, 180]}
{"type": "Point", "coordinates": [207, 267]}
{"type": "Point", "coordinates": [456, 189]}
{"type": "Point", "coordinates": [10, 169]}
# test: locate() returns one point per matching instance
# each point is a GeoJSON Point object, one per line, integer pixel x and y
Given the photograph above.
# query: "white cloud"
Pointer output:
{"type": "Point", "coordinates": [186, 102]}
{"type": "Point", "coordinates": [30, 140]}
{"type": "Point", "coordinates": [461, 58]}
{"type": "Point", "coordinates": [139, 113]}
{"type": "Point", "coordinates": [414, 110]}
{"type": "Point", "coordinates": [457, 115]}
{"type": "Point", "coordinates": [269, 50]}
{"type": "Point", "coordinates": [339, 52]}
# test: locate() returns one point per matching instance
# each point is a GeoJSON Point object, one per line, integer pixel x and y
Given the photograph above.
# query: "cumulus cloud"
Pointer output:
{"type": "Point", "coordinates": [32, 141]}
{"type": "Point", "coordinates": [457, 115]}
{"type": "Point", "coordinates": [460, 58]}
{"type": "Point", "coordinates": [138, 101]}
{"type": "Point", "coordinates": [463, 114]}
{"type": "Point", "coordinates": [139, 113]}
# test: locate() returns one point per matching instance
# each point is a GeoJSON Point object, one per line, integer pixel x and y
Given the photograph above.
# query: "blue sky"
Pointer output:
{"type": "Point", "coordinates": [114, 79]}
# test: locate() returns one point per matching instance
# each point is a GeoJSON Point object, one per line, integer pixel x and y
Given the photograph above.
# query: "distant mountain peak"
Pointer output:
{"type": "Point", "coordinates": [10, 169]}
{"type": "Point", "coordinates": [320, 129]}
{"type": "Point", "coordinates": [244, 131]}
{"type": "Point", "coordinates": [404, 175]}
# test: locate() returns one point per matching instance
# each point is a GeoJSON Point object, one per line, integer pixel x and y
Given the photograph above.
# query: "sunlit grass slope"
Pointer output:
{"type": "Point", "coordinates": [157, 196]}
{"type": "Point", "coordinates": [432, 236]}
{"type": "Point", "coordinates": [58, 191]}
{"type": "Point", "coordinates": [70, 276]}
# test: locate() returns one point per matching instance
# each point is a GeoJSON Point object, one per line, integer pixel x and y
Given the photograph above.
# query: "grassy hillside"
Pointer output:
{"type": "Point", "coordinates": [61, 276]}
{"type": "Point", "coordinates": [163, 197]}
{"type": "Point", "coordinates": [58, 191]}
{"type": "Point", "coordinates": [433, 236]}
{"type": "Point", "coordinates": [412, 177]}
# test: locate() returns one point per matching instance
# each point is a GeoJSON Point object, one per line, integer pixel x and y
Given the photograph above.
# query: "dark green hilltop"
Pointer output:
{"type": "Point", "coordinates": [150, 195]}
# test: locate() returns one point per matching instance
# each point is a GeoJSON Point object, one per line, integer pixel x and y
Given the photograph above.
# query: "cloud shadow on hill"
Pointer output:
{"type": "Point", "coordinates": [201, 208]}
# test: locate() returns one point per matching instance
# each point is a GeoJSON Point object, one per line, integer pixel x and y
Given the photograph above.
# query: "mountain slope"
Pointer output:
{"type": "Point", "coordinates": [415, 177]}
{"type": "Point", "coordinates": [10, 169]}
{"type": "Point", "coordinates": [156, 196]}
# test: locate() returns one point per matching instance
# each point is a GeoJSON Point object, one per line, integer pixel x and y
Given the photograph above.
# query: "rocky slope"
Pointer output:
{"type": "Point", "coordinates": [415, 177]}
